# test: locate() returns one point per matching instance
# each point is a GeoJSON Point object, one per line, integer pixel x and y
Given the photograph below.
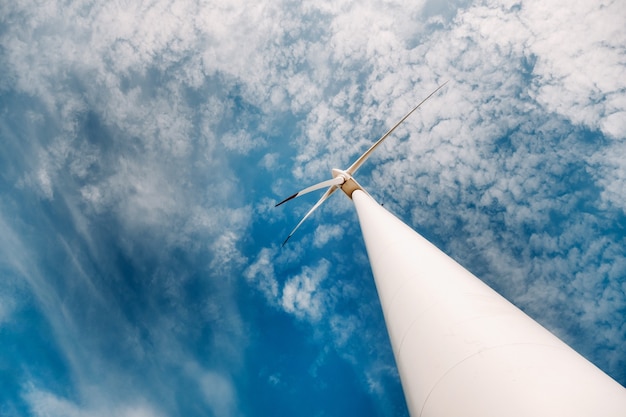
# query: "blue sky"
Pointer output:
{"type": "Point", "coordinates": [144, 145]}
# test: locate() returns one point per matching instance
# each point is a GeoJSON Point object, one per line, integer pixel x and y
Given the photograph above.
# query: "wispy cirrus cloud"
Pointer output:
{"type": "Point", "coordinates": [122, 165]}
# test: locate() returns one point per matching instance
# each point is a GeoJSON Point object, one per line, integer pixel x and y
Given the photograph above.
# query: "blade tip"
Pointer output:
{"type": "Point", "coordinates": [287, 199]}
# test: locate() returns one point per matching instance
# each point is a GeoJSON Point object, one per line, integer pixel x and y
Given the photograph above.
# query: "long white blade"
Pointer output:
{"type": "Point", "coordinates": [323, 184]}
{"type": "Point", "coordinates": [327, 194]}
{"type": "Point", "coordinates": [367, 153]}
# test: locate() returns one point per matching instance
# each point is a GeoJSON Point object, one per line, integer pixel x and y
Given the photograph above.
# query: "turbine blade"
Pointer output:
{"type": "Point", "coordinates": [323, 184]}
{"type": "Point", "coordinates": [327, 194]}
{"type": "Point", "coordinates": [367, 153]}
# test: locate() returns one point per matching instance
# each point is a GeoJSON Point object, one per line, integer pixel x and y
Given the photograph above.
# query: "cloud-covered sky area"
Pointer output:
{"type": "Point", "coordinates": [143, 145]}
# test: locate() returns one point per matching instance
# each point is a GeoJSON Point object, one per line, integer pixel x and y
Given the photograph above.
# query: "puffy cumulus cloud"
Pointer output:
{"type": "Point", "coordinates": [241, 142]}
{"type": "Point", "coordinates": [302, 295]}
{"type": "Point", "coordinates": [227, 254]}
{"type": "Point", "coordinates": [580, 53]}
{"type": "Point", "coordinates": [610, 172]}
{"type": "Point", "coordinates": [270, 161]}
{"type": "Point", "coordinates": [492, 51]}
{"type": "Point", "coordinates": [324, 233]}
{"type": "Point", "coordinates": [261, 273]}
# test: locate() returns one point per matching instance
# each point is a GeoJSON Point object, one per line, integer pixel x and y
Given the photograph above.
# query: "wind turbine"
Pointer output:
{"type": "Point", "coordinates": [344, 178]}
{"type": "Point", "coordinates": [460, 347]}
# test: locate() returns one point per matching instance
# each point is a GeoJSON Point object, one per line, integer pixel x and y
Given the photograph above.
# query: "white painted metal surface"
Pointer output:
{"type": "Point", "coordinates": [462, 350]}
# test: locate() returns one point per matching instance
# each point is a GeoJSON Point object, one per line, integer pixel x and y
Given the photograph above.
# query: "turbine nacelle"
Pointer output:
{"type": "Point", "coordinates": [343, 179]}
{"type": "Point", "coordinates": [349, 184]}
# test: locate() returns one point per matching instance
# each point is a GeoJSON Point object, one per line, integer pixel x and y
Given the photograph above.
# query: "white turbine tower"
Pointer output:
{"type": "Point", "coordinates": [462, 350]}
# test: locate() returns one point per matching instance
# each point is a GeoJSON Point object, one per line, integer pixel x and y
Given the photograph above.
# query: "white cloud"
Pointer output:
{"type": "Point", "coordinates": [614, 125]}
{"type": "Point", "coordinates": [579, 49]}
{"type": "Point", "coordinates": [46, 404]}
{"type": "Point", "coordinates": [219, 393]}
{"type": "Point", "coordinates": [261, 273]}
{"type": "Point", "coordinates": [611, 174]}
{"type": "Point", "coordinates": [303, 295]}
{"type": "Point", "coordinates": [241, 142]}
{"type": "Point", "coordinates": [270, 161]}
{"type": "Point", "coordinates": [343, 328]}
{"type": "Point", "coordinates": [227, 254]}
{"type": "Point", "coordinates": [324, 233]}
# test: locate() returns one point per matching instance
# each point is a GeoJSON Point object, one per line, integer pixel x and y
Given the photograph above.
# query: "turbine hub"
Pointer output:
{"type": "Point", "coordinates": [349, 183]}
